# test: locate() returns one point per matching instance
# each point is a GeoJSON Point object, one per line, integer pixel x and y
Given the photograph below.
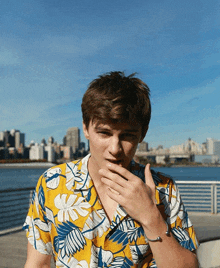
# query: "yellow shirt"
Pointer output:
{"type": "Point", "coordinates": [67, 219]}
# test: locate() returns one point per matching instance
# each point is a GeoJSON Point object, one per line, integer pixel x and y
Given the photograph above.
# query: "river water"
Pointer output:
{"type": "Point", "coordinates": [13, 210]}
{"type": "Point", "coordinates": [12, 178]}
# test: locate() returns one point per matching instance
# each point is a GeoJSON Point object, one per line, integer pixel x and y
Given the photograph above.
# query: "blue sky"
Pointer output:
{"type": "Point", "coordinates": [51, 50]}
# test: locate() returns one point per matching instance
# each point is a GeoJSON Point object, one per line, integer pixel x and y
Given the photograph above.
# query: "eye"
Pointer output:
{"type": "Point", "coordinates": [129, 136]}
{"type": "Point", "coordinates": [104, 133]}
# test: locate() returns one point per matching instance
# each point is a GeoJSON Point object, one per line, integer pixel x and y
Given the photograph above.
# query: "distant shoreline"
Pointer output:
{"type": "Point", "coordinates": [27, 165]}
{"type": "Point", "coordinates": [48, 165]}
{"type": "Point", "coordinates": [187, 166]}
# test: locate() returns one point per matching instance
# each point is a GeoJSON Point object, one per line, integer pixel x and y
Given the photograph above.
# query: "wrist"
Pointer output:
{"type": "Point", "coordinates": [151, 217]}
{"type": "Point", "coordinates": [159, 237]}
{"type": "Point", "coordinates": [154, 225]}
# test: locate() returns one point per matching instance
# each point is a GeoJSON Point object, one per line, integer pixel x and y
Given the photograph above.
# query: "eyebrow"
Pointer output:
{"type": "Point", "coordinates": [109, 129]}
{"type": "Point", "coordinates": [102, 128]}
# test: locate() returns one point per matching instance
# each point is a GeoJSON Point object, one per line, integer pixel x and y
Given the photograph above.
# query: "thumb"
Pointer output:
{"type": "Point", "coordinates": [149, 180]}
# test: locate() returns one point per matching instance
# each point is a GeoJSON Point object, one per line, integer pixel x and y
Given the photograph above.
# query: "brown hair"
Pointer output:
{"type": "Point", "coordinates": [115, 98]}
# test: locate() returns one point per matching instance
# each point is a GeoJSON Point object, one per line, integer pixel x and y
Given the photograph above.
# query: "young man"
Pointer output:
{"type": "Point", "coordinates": [106, 210]}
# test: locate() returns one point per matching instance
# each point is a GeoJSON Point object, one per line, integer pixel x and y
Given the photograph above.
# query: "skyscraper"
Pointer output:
{"type": "Point", "coordinates": [19, 139]}
{"type": "Point", "coordinates": [217, 148]}
{"type": "Point", "coordinates": [9, 139]}
{"type": "Point", "coordinates": [2, 139]}
{"type": "Point", "coordinates": [210, 145]}
{"type": "Point", "coordinates": [143, 146]}
{"type": "Point", "coordinates": [72, 138]}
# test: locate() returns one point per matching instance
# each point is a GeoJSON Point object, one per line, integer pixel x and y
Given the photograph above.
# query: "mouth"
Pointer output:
{"type": "Point", "coordinates": [117, 162]}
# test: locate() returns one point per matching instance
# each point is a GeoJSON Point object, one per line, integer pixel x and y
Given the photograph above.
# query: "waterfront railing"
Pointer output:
{"type": "Point", "coordinates": [14, 204]}
{"type": "Point", "coordinates": [197, 196]}
{"type": "Point", "coordinates": [200, 196]}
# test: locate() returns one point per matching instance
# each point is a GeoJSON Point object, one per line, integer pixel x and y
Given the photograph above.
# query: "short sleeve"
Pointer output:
{"type": "Point", "coordinates": [181, 226]}
{"type": "Point", "coordinates": [36, 226]}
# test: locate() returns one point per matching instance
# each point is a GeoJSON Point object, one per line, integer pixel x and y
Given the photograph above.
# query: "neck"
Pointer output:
{"type": "Point", "coordinates": [94, 174]}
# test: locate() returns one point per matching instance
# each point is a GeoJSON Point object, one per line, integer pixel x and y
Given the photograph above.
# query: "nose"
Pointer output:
{"type": "Point", "coordinates": [115, 147]}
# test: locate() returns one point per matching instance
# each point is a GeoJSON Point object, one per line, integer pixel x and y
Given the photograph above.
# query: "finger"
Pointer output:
{"type": "Point", "coordinates": [115, 196]}
{"type": "Point", "coordinates": [123, 172]}
{"type": "Point", "coordinates": [114, 186]}
{"type": "Point", "coordinates": [114, 191]}
{"type": "Point", "coordinates": [148, 178]}
{"type": "Point", "coordinates": [113, 177]}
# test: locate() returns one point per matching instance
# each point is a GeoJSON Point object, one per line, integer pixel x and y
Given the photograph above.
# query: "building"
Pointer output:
{"type": "Point", "coordinates": [19, 139]}
{"type": "Point", "coordinates": [204, 148]}
{"type": "Point", "coordinates": [206, 159]}
{"type": "Point", "coordinates": [210, 145]}
{"type": "Point", "coordinates": [40, 152]}
{"type": "Point", "coordinates": [50, 140]}
{"type": "Point", "coordinates": [72, 138]}
{"type": "Point", "coordinates": [4, 153]}
{"type": "Point", "coordinates": [213, 148]}
{"type": "Point", "coordinates": [50, 153]}
{"type": "Point", "coordinates": [2, 139]}
{"type": "Point", "coordinates": [43, 141]}
{"type": "Point", "coordinates": [66, 152]}
{"type": "Point", "coordinates": [8, 139]}
{"type": "Point", "coordinates": [143, 147]}
{"type": "Point", "coordinates": [189, 146]}
{"type": "Point", "coordinates": [12, 138]}
{"type": "Point", "coordinates": [1, 135]}
{"type": "Point", "coordinates": [37, 152]}
{"type": "Point", "coordinates": [12, 152]}
{"type": "Point", "coordinates": [216, 150]}
{"type": "Point", "coordinates": [82, 146]}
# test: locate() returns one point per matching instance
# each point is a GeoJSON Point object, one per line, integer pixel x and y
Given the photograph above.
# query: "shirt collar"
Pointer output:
{"type": "Point", "coordinates": [86, 181]}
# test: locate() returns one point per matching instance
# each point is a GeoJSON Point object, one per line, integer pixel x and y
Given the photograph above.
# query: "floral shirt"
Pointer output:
{"type": "Point", "coordinates": [67, 219]}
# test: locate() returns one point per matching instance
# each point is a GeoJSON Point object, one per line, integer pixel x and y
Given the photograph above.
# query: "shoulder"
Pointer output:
{"type": "Point", "coordinates": [64, 168]}
{"type": "Point", "coordinates": [160, 179]}
{"type": "Point", "coordinates": [64, 173]}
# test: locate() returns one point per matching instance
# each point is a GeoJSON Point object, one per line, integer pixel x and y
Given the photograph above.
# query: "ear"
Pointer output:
{"type": "Point", "coordinates": [85, 131]}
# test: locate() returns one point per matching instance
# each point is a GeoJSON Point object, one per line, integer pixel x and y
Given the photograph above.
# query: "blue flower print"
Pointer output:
{"type": "Point", "coordinates": [183, 237]}
{"type": "Point", "coordinates": [71, 239]}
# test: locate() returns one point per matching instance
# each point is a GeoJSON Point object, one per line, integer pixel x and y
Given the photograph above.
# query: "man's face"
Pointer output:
{"type": "Point", "coordinates": [114, 143]}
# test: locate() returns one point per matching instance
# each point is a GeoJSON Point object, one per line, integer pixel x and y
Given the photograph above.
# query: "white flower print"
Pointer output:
{"type": "Point", "coordinates": [52, 177]}
{"type": "Point", "coordinates": [172, 207]}
{"type": "Point", "coordinates": [101, 257]}
{"type": "Point", "coordinates": [82, 264]}
{"type": "Point", "coordinates": [68, 208]}
{"type": "Point", "coordinates": [36, 202]}
{"type": "Point", "coordinates": [96, 224]}
{"type": "Point", "coordinates": [176, 207]}
{"type": "Point", "coordinates": [34, 238]}
{"type": "Point", "coordinates": [138, 252]}
{"type": "Point", "coordinates": [71, 262]}
{"type": "Point", "coordinates": [72, 175]}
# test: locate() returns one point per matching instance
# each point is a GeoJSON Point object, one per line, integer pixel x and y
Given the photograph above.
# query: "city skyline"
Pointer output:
{"type": "Point", "coordinates": [50, 53]}
{"type": "Point", "coordinates": [75, 139]}
{"type": "Point", "coordinates": [12, 146]}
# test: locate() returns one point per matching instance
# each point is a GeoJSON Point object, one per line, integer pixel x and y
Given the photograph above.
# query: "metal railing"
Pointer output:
{"type": "Point", "coordinates": [200, 196]}
{"type": "Point", "coordinates": [14, 204]}
{"type": "Point", "coordinates": [197, 196]}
